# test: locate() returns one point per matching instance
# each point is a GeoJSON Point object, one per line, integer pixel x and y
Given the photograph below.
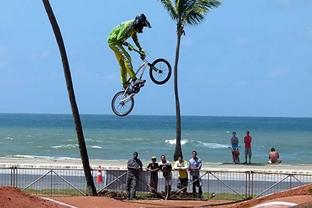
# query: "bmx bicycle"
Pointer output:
{"type": "Point", "coordinates": [159, 71]}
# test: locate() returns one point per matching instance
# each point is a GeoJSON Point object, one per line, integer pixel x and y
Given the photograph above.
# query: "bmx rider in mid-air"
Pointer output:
{"type": "Point", "coordinates": [116, 41]}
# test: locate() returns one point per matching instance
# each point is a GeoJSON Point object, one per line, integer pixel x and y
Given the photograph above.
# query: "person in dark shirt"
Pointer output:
{"type": "Point", "coordinates": [166, 168]}
{"type": "Point", "coordinates": [134, 168]}
{"type": "Point", "coordinates": [235, 148]}
{"type": "Point", "coordinates": [153, 167]}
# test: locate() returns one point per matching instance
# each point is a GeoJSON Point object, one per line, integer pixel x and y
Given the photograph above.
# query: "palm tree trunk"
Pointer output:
{"type": "Point", "coordinates": [71, 94]}
{"type": "Point", "coordinates": [178, 147]}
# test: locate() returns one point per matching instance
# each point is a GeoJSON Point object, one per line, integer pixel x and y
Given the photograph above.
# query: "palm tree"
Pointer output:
{"type": "Point", "coordinates": [184, 12]}
{"type": "Point", "coordinates": [71, 94]}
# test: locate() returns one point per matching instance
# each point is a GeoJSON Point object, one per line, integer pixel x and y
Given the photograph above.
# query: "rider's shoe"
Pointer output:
{"type": "Point", "coordinates": [128, 90]}
{"type": "Point", "coordinates": [138, 82]}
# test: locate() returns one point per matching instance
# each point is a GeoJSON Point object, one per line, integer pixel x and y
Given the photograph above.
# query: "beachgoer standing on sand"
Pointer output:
{"type": "Point", "coordinates": [247, 141]}
{"type": "Point", "coordinates": [153, 167]}
{"type": "Point", "coordinates": [194, 168]}
{"type": "Point", "coordinates": [182, 166]}
{"type": "Point", "coordinates": [274, 157]}
{"type": "Point", "coordinates": [166, 168]}
{"type": "Point", "coordinates": [235, 151]}
{"type": "Point", "coordinates": [134, 168]}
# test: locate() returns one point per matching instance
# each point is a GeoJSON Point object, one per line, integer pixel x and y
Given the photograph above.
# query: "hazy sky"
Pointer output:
{"type": "Point", "coordinates": [248, 58]}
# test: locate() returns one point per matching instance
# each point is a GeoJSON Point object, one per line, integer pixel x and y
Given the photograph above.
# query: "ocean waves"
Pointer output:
{"type": "Point", "coordinates": [74, 146]}
{"type": "Point", "coordinates": [173, 141]}
{"type": "Point", "coordinates": [213, 145]}
{"type": "Point", "coordinates": [40, 157]}
{"type": "Point", "coordinates": [198, 143]}
{"type": "Point", "coordinates": [66, 146]}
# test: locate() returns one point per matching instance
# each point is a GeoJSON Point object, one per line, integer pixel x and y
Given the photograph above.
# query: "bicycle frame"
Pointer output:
{"type": "Point", "coordinates": [143, 66]}
{"type": "Point", "coordinates": [140, 69]}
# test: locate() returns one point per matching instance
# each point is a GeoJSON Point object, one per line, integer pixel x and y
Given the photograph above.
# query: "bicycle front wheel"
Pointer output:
{"type": "Point", "coordinates": [160, 71]}
{"type": "Point", "coordinates": [122, 103]}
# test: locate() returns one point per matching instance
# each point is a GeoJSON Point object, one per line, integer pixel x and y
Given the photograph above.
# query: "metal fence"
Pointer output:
{"type": "Point", "coordinates": [233, 185]}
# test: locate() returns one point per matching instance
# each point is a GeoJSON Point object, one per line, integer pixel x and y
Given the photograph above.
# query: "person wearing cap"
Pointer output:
{"type": "Point", "coordinates": [153, 167]}
{"type": "Point", "coordinates": [134, 167]}
{"type": "Point", "coordinates": [117, 40]}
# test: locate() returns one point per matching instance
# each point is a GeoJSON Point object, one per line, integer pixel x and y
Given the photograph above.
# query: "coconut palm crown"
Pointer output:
{"type": "Point", "coordinates": [188, 11]}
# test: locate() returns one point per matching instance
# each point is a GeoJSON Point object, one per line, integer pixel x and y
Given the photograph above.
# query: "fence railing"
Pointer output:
{"type": "Point", "coordinates": [232, 185]}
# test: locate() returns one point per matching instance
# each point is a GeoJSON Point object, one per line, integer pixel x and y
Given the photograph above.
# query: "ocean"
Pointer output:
{"type": "Point", "coordinates": [110, 137]}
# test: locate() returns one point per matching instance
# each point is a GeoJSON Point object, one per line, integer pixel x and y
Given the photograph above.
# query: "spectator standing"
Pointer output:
{"type": "Point", "coordinates": [166, 168]}
{"type": "Point", "coordinates": [182, 166]}
{"type": "Point", "coordinates": [194, 168]}
{"type": "Point", "coordinates": [235, 150]}
{"type": "Point", "coordinates": [153, 167]}
{"type": "Point", "coordinates": [134, 167]}
{"type": "Point", "coordinates": [247, 141]}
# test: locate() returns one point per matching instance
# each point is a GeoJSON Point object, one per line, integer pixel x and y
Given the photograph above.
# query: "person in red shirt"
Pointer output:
{"type": "Point", "coordinates": [247, 141]}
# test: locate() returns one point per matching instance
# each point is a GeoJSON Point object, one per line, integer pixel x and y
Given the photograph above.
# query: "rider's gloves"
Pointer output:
{"type": "Point", "coordinates": [142, 54]}
{"type": "Point", "coordinates": [130, 47]}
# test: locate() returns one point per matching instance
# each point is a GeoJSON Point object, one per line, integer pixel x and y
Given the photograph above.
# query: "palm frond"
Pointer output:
{"type": "Point", "coordinates": [168, 5]}
{"type": "Point", "coordinates": [182, 6]}
{"type": "Point", "coordinates": [196, 12]}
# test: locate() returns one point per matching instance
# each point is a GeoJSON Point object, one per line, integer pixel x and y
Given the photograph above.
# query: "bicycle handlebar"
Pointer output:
{"type": "Point", "coordinates": [143, 55]}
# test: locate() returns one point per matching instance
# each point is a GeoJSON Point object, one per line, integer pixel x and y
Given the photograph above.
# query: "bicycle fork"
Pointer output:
{"type": "Point", "coordinates": [127, 98]}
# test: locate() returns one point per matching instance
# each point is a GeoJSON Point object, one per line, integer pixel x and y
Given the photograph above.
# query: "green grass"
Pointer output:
{"type": "Point", "coordinates": [224, 196]}
{"type": "Point", "coordinates": [55, 192]}
{"type": "Point", "coordinates": [149, 196]}
{"type": "Point", "coordinates": [140, 195]}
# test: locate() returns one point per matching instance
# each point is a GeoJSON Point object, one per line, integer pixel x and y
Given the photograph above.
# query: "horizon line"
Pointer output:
{"type": "Point", "coordinates": [188, 115]}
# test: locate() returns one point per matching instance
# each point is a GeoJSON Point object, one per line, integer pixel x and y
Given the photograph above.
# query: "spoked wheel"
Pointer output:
{"type": "Point", "coordinates": [160, 71]}
{"type": "Point", "coordinates": [122, 103]}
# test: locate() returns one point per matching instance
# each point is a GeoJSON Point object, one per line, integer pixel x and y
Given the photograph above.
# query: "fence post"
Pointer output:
{"type": "Point", "coordinates": [252, 184]}
{"type": "Point", "coordinates": [51, 184]}
{"type": "Point", "coordinates": [246, 184]}
{"type": "Point", "coordinates": [208, 185]}
{"type": "Point", "coordinates": [290, 181]}
{"type": "Point", "coordinates": [249, 183]}
{"type": "Point", "coordinates": [13, 176]}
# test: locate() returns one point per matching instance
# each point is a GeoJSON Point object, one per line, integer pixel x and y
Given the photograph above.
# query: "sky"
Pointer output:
{"type": "Point", "coordinates": [247, 58]}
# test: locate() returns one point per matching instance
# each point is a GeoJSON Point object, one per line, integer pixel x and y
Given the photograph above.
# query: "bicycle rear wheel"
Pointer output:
{"type": "Point", "coordinates": [160, 71]}
{"type": "Point", "coordinates": [122, 103]}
